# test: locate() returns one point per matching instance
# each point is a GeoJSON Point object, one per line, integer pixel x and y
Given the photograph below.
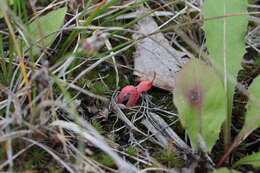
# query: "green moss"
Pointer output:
{"type": "Point", "coordinates": [131, 150]}
{"type": "Point", "coordinates": [98, 88]}
{"type": "Point", "coordinates": [169, 158]}
{"type": "Point", "coordinates": [98, 127]}
{"type": "Point", "coordinates": [104, 159]}
{"type": "Point", "coordinates": [91, 81]}
{"type": "Point", "coordinates": [27, 165]}
{"type": "Point", "coordinates": [37, 155]}
{"type": "Point", "coordinates": [54, 170]}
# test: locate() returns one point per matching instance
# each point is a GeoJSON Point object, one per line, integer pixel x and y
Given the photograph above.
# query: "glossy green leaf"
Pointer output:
{"type": "Point", "coordinates": [253, 159]}
{"type": "Point", "coordinates": [42, 30]}
{"type": "Point", "coordinates": [225, 170]}
{"type": "Point", "coordinates": [225, 41]}
{"type": "Point", "coordinates": [199, 96]}
{"type": "Point", "coordinates": [253, 107]}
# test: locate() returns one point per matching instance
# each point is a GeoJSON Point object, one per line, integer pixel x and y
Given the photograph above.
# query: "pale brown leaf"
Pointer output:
{"type": "Point", "coordinates": [155, 54]}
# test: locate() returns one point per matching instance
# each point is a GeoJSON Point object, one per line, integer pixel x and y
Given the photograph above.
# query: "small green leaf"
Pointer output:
{"type": "Point", "coordinates": [43, 28]}
{"type": "Point", "coordinates": [225, 170]}
{"type": "Point", "coordinates": [199, 97]}
{"type": "Point", "coordinates": [253, 107]}
{"type": "Point", "coordinates": [253, 159]}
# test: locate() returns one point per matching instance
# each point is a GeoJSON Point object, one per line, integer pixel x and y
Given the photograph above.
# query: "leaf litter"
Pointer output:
{"type": "Point", "coordinates": [144, 128]}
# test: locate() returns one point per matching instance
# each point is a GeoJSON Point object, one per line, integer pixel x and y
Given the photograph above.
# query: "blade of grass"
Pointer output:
{"type": "Point", "coordinates": [100, 8]}
{"type": "Point", "coordinates": [112, 17]}
{"type": "Point", "coordinates": [3, 62]}
{"type": "Point", "coordinates": [20, 9]}
{"type": "Point", "coordinates": [17, 48]}
{"type": "Point", "coordinates": [18, 53]}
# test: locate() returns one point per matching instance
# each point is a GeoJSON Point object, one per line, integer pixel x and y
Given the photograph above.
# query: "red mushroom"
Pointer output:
{"type": "Point", "coordinates": [131, 92]}
{"type": "Point", "coordinates": [134, 92]}
{"type": "Point", "coordinates": [145, 85]}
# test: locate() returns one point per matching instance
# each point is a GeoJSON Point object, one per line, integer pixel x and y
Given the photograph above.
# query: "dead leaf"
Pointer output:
{"type": "Point", "coordinates": [155, 54]}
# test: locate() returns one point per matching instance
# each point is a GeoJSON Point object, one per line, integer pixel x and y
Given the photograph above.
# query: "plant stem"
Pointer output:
{"type": "Point", "coordinates": [19, 54]}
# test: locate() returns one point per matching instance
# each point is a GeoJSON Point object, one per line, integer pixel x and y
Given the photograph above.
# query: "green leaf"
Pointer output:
{"type": "Point", "coordinates": [252, 121]}
{"type": "Point", "coordinates": [253, 159]}
{"type": "Point", "coordinates": [44, 27]}
{"type": "Point", "coordinates": [225, 40]}
{"type": "Point", "coordinates": [225, 170]}
{"type": "Point", "coordinates": [226, 36]}
{"type": "Point", "coordinates": [199, 97]}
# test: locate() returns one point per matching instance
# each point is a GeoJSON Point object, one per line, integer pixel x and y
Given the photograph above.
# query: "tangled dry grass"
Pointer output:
{"type": "Point", "coordinates": [65, 117]}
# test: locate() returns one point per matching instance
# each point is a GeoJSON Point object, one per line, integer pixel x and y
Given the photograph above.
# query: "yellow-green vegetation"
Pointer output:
{"type": "Point", "coordinates": [104, 159]}
{"type": "Point", "coordinates": [38, 155]}
{"type": "Point", "coordinates": [54, 170]}
{"type": "Point", "coordinates": [169, 158]}
{"type": "Point", "coordinates": [98, 127]}
{"type": "Point", "coordinates": [132, 151]}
